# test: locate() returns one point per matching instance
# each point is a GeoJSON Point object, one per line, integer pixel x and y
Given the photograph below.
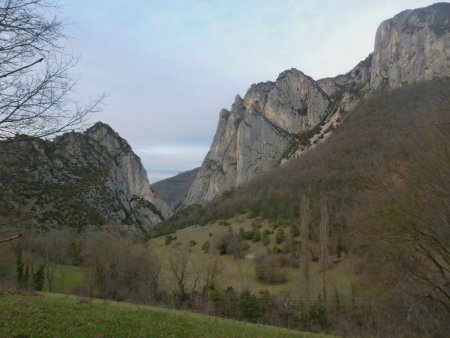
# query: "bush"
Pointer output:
{"type": "Point", "coordinates": [228, 244]}
{"type": "Point", "coordinates": [256, 235]}
{"type": "Point", "coordinates": [267, 269]}
{"type": "Point", "coordinates": [280, 236]}
{"type": "Point", "coordinates": [169, 239]}
{"type": "Point", "coordinates": [245, 235]}
{"type": "Point", "coordinates": [205, 247]}
{"type": "Point", "coordinates": [295, 231]}
{"type": "Point", "coordinates": [249, 307]}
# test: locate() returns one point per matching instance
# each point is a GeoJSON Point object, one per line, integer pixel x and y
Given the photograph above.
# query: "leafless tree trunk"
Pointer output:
{"type": "Point", "coordinates": [152, 278]}
{"type": "Point", "coordinates": [324, 248]}
{"type": "Point", "coordinates": [50, 274]}
{"type": "Point", "coordinates": [305, 214]}
{"type": "Point", "coordinates": [178, 264]}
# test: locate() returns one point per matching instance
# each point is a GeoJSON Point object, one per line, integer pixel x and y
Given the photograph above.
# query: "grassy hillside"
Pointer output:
{"type": "Point", "coordinates": [63, 316]}
{"type": "Point", "coordinates": [239, 273]}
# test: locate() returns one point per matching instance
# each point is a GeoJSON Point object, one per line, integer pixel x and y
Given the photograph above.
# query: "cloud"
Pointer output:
{"type": "Point", "coordinates": [169, 160]}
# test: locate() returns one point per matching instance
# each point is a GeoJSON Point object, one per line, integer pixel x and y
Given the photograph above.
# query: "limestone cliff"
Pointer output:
{"type": "Point", "coordinates": [276, 121]}
{"type": "Point", "coordinates": [78, 179]}
{"type": "Point", "coordinates": [412, 46]}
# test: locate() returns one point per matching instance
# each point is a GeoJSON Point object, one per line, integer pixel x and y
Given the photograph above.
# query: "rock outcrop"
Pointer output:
{"type": "Point", "coordinates": [79, 179]}
{"type": "Point", "coordinates": [411, 47]}
{"type": "Point", "coordinates": [276, 121]}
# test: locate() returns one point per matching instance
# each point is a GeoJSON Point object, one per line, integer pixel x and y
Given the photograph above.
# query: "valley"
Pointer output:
{"type": "Point", "coordinates": [322, 208]}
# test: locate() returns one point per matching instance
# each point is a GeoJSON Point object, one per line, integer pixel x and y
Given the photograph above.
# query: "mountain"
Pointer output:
{"type": "Point", "coordinates": [380, 183]}
{"type": "Point", "coordinates": [76, 180]}
{"type": "Point", "coordinates": [281, 120]}
{"type": "Point", "coordinates": [174, 189]}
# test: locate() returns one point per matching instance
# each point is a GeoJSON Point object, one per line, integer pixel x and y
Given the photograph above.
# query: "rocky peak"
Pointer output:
{"type": "Point", "coordinates": [109, 138]}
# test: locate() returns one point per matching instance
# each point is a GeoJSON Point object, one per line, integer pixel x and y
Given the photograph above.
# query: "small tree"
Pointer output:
{"type": "Point", "coordinates": [20, 267]}
{"type": "Point", "coordinates": [178, 265]}
{"type": "Point", "coordinates": [249, 307]}
{"type": "Point", "coordinates": [75, 252]}
{"type": "Point", "coordinates": [39, 278]}
{"type": "Point", "coordinates": [206, 246]}
{"type": "Point", "coordinates": [152, 270]}
{"type": "Point", "coordinates": [280, 236]}
{"type": "Point", "coordinates": [99, 280]}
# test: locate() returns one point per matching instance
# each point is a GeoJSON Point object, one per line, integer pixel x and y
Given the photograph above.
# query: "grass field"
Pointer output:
{"type": "Point", "coordinates": [55, 315]}
{"type": "Point", "coordinates": [65, 278]}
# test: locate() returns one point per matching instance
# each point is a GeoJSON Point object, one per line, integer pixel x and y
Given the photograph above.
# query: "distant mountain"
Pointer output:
{"type": "Point", "coordinates": [76, 180]}
{"type": "Point", "coordinates": [281, 120]}
{"type": "Point", "coordinates": [174, 189]}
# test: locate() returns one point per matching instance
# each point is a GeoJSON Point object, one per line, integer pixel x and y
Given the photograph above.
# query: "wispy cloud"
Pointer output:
{"type": "Point", "coordinates": [169, 160]}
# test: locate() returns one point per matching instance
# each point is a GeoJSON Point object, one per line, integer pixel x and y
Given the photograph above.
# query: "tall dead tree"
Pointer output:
{"type": "Point", "coordinates": [324, 248]}
{"type": "Point", "coordinates": [305, 215]}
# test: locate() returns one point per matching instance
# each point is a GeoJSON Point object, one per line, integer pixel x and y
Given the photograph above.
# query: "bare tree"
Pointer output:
{"type": "Point", "coordinates": [305, 211]}
{"type": "Point", "coordinates": [151, 270]}
{"type": "Point", "coordinates": [178, 265]}
{"type": "Point", "coordinates": [205, 271]}
{"type": "Point", "coordinates": [324, 248]}
{"type": "Point", "coordinates": [35, 84]}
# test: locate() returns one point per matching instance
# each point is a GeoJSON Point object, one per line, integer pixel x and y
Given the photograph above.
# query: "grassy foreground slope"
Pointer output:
{"type": "Point", "coordinates": [65, 316]}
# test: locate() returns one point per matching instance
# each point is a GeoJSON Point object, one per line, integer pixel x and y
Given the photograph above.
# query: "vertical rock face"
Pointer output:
{"type": "Point", "coordinates": [258, 132]}
{"type": "Point", "coordinates": [79, 179]}
{"type": "Point", "coordinates": [128, 177]}
{"type": "Point", "coordinates": [273, 119]}
{"type": "Point", "coordinates": [412, 46]}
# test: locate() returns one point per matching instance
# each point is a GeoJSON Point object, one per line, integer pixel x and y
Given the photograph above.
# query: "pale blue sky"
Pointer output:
{"type": "Point", "coordinates": [168, 67]}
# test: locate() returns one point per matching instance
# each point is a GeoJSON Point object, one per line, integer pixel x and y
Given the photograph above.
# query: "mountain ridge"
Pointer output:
{"type": "Point", "coordinates": [79, 179]}
{"type": "Point", "coordinates": [172, 190]}
{"type": "Point", "coordinates": [276, 121]}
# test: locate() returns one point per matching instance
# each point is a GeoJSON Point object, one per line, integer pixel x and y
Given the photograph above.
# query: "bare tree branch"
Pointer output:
{"type": "Point", "coordinates": [36, 86]}
{"type": "Point", "coordinates": [22, 68]}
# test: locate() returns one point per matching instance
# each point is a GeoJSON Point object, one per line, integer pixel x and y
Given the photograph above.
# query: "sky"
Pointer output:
{"type": "Point", "coordinates": [168, 67]}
